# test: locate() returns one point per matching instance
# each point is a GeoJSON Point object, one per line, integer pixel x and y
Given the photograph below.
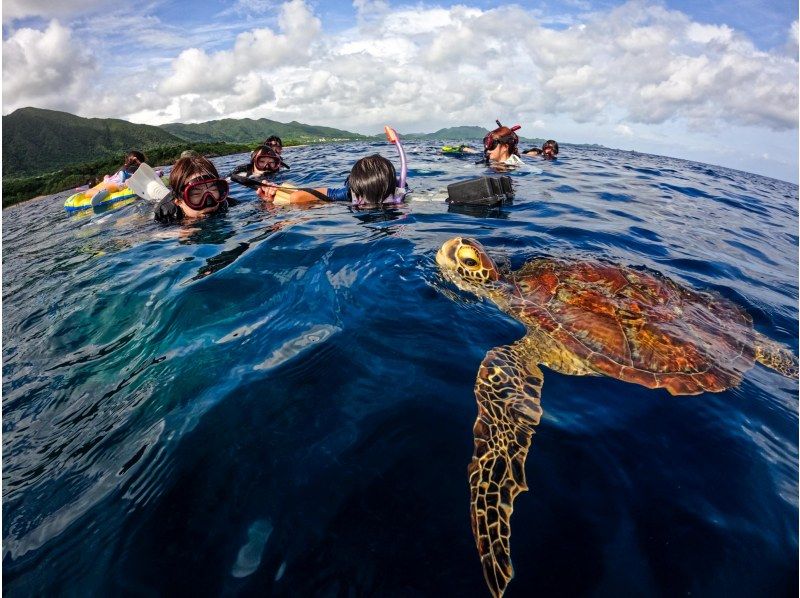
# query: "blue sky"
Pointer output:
{"type": "Point", "coordinates": [714, 82]}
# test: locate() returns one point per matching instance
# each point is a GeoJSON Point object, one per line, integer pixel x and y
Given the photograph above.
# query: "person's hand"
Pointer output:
{"type": "Point", "coordinates": [167, 211]}
{"type": "Point", "coordinates": [267, 191]}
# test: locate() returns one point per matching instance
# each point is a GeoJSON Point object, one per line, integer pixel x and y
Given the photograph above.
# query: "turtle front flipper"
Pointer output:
{"type": "Point", "coordinates": [508, 389]}
{"type": "Point", "coordinates": [776, 356]}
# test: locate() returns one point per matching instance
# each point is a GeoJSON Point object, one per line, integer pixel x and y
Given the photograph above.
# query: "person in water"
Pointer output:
{"type": "Point", "coordinates": [500, 146]}
{"type": "Point", "coordinates": [113, 183]}
{"type": "Point", "coordinates": [549, 150]}
{"type": "Point", "coordinates": [372, 181]}
{"type": "Point", "coordinates": [132, 161]}
{"type": "Point", "coordinates": [534, 151]}
{"type": "Point", "coordinates": [275, 143]}
{"type": "Point", "coordinates": [196, 190]}
{"type": "Point", "coordinates": [264, 161]}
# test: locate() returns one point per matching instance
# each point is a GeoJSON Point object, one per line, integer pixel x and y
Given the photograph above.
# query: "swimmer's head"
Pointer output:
{"type": "Point", "coordinates": [502, 140]}
{"type": "Point", "coordinates": [132, 161]}
{"type": "Point", "coordinates": [550, 149]}
{"type": "Point", "coordinates": [372, 180]}
{"type": "Point", "coordinates": [275, 143]}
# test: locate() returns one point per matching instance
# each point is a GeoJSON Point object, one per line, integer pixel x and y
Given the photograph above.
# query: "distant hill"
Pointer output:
{"type": "Point", "coordinates": [451, 133]}
{"type": "Point", "coordinates": [462, 133]}
{"type": "Point", "coordinates": [244, 130]}
{"type": "Point", "coordinates": [37, 140]}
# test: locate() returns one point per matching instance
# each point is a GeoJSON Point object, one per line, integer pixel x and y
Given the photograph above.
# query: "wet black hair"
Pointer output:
{"type": "Point", "coordinates": [272, 138]}
{"type": "Point", "coordinates": [552, 144]}
{"type": "Point", "coordinates": [372, 179]}
{"type": "Point", "coordinates": [135, 154]}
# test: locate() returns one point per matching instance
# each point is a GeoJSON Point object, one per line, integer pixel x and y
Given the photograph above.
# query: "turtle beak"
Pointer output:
{"type": "Point", "coordinates": [446, 256]}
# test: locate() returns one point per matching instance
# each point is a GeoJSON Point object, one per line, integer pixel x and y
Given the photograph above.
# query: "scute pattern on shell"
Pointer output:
{"type": "Point", "coordinates": [635, 325]}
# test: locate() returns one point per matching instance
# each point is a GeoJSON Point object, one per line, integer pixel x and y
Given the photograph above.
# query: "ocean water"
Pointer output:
{"type": "Point", "coordinates": [278, 401]}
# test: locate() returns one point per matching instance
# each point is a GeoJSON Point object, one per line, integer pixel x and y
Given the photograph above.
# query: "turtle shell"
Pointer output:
{"type": "Point", "coordinates": [636, 325]}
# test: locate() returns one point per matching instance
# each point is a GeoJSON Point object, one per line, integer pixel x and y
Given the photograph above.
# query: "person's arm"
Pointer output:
{"type": "Point", "coordinates": [271, 192]}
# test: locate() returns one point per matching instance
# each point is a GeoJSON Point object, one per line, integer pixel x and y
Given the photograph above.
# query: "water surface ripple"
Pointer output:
{"type": "Point", "coordinates": [279, 400]}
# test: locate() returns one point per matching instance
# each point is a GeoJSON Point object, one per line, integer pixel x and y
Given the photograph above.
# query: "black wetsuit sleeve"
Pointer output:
{"type": "Point", "coordinates": [241, 170]}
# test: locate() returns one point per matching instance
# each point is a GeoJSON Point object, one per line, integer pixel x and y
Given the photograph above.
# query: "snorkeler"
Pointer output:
{"type": "Point", "coordinates": [132, 161]}
{"type": "Point", "coordinates": [373, 181]}
{"type": "Point", "coordinates": [113, 183]}
{"type": "Point", "coordinates": [500, 146]}
{"type": "Point", "coordinates": [275, 143]}
{"type": "Point", "coordinates": [549, 150]}
{"type": "Point", "coordinates": [264, 161]}
{"type": "Point", "coordinates": [195, 189]}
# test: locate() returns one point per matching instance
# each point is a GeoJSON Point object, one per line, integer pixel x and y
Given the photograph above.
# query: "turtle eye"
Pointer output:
{"type": "Point", "coordinates": [467, 257]}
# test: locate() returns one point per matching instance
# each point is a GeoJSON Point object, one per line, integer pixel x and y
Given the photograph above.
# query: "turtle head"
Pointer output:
{"type": "Point", "coordinates": [466, 263]}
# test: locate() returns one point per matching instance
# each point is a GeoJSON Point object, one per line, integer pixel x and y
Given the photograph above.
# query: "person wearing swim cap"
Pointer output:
{"type": "Point", "coordinates": [500, 146]}
{"type": "Point", "coordinates": [195, 190]}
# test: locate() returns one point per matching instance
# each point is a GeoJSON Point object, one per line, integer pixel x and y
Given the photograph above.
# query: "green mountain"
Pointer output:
{"type": "Point", "coordinates": [37, 140]}
{"type": "Point", "coordinates": [243, 130]}
{"type": "Point", "coordinates": [450, 133]}
{"type": "Point", "coordinates": [462, 133]}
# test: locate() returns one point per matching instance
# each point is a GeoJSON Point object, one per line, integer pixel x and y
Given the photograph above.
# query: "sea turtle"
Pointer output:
{"type": "Point", "coordinates": [585, 318]}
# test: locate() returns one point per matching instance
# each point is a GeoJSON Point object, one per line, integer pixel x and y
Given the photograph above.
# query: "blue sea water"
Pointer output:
{"type": "Point", "coordinates": [278, 401]}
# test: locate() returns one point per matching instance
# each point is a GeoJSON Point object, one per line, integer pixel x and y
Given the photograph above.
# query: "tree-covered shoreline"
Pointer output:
{"type": "Point", "coordinates": [19, 189]}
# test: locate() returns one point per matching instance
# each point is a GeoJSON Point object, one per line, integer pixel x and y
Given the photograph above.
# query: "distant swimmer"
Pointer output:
{"type": "Point", "coordinates": [457, 150]}
{"type": "Point", "coordinates": [500, 146]}
{"type": "Point", "coordinates": [274, 142]}
{"type": "Point", "coordinates": [550, 150]}
{"type": "Point", "coordinates": [265, 160]}
{"type": "Point", "coordinates": [99, 192]}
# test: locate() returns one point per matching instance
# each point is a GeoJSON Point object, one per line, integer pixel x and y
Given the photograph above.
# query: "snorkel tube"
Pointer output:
{"type": "Point", "coordinates": [400, 191]}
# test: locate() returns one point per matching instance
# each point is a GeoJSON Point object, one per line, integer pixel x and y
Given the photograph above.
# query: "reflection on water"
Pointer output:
{"type": "Point", "coordinates": [278, 400]}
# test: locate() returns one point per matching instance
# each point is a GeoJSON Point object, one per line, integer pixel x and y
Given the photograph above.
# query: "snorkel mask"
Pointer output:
{"type": "Point", "coordinates": [266, 159]}
{"type": "Point", "coordinates": [400, 190]}
{"type": "Point", "coordinates": [205, 192]}
{"type": "Point", "coordinates": [490, 141]}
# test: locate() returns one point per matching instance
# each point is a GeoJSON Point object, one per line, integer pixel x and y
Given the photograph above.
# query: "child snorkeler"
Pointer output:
{"type": "Point", "coordinates": [195, 189]}
{"type": "Point", "coordinates": [265, 160]}
{"type": "Point", "coordinates": [373, 181]}
{"type": "Point", "coordinates": [117, 181]}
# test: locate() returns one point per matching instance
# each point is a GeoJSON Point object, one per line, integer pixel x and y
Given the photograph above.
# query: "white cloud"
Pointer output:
{"type": "Point", "coordinates": [792, 44]}
{"type": "Point", "coordinates": [234, 80]}
{"type": "Point", "coordinates": [426, 66]}
{"type": "Point", "coordinates": [45, 68]}
{"type": "Point", "coordinates": [17, 9]}
{"type": "Point", "coordinates": [624, 130]}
